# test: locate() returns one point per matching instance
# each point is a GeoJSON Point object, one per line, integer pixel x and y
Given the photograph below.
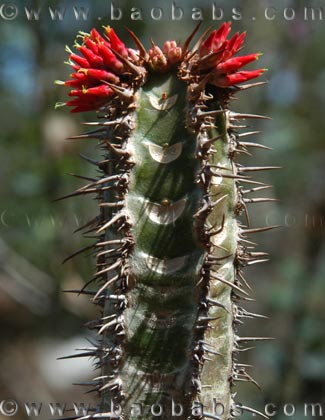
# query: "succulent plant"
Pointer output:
{"type": "Point", "coordinates": [170, 247]}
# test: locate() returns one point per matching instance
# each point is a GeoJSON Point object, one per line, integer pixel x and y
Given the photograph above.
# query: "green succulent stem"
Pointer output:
{"type": "Point", "coordinates": [167, 291]}
{"type": "Point", "coordinates": [170, 249]}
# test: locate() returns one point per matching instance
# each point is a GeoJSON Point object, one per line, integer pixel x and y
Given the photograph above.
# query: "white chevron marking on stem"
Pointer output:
{"type": "Point", "coordinates": [165, 213]}
{"type": "Point", "coordinates": [165, 266]}
{"type": "Point", "coordinates": [162, 104]}
{"type": "Point", "coordinates": [164, 154]}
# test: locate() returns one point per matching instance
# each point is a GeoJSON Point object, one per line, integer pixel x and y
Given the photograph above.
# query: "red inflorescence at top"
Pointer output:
{"type": "Point", "coordinates": [105, 62]}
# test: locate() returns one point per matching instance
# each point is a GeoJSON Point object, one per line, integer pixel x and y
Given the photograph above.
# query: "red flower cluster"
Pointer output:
{"type": "Point", "coordinates": [104, 59]}
{"type": "Point", "coordinates": [217, 61]}
{"type": "Point", "coordinates": [100, 65]}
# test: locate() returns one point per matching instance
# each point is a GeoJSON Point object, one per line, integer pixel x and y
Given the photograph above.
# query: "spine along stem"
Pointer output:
{"type": "Point", "coordinates": [169, 247]}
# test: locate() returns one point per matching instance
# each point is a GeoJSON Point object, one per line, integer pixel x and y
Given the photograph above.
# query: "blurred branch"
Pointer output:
{"type": "Point", "coordinates": [24, 282]}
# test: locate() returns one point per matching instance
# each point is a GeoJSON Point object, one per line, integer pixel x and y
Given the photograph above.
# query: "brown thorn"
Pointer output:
{"type": "Point", "coordinates": [235, 127]}
{"type": "Point", "coordinates": [100, 181]}
{"type": "Point", "coordinates": [257, 261]}
{"type": "Point", "coordinates": [111, 242]}
{"type": "Point", "coordinates": [242, 365]}
{"type": "Point", "coordinates": [263, 229]}
{"type": "Point", "coordinates": [245, 349]}
{"type": "Point", "coordinates": [86, 178]}
{"type": "Point", "coordinates": [75, 194]}
{"type": "Point", "coordinates": [239, 177]}
{"type": "Point", "coordinates": [110, 205]}
{"type": "Point", "coordinates": [228, 283]}
{"type": "Point", "coordinates": [113, 220]}
{"type": "Point", "coordinates": [258, 168]}
{"type": "Point", "coordinates": [118, 263]}
{"type": "Point", "coordinates": [204, 143]}
{"type": "Point", "coordinates": [189, 39]}
{"type": "Point", "coordinates": [104, 124]}
{"type": "Point", "coordinates": [212, 231]}
{"type": "Point", "coordinates": [118, 152]}
{"type": "Point", "coordinates": [246, 241]}
{"type": "Point", "coordinates": [240, 339]}
{"type": "Point", "coordinates": [211, 165]}
{"type": "Point", "coordinates": [240, 274]}
{"type": "Point", "coordinates": [90, 223]}
{"type": "Point", "coordinates": [243, 152]}
{"type": "Point", "coordinates": [250, 181]}
{"type": "Point", "coordinates": [236, 115]}
{"type": "Point", "coordinates": [110, 254]}
{"type": "Point", "coordinates": [246, 378]}
{"type": "Point", "coordinates": [260, 200]}
{"type": "Point", "coordinates": [136, 69]}
{"type": "Point", "coordinates": [259, 254]}
{"type": "Point", "coordinates": [243, 313]}
{"type": "Point", "coordinates": [247, 214]}
{"type": "Point", "coordinates": [80, 292]}
{"type": "Point", "coordinates": [251, 410]}
{"type": "Point", "coordinates": [216, 303]}
{"type": "Point", "coordinates": [87, 159]}
{"type": "Point", "coordinates": [81, 137]}
{"type": "Point", "coordinates": [250, 85]}
{"type": "Point", "coordinates": [249, 133]}
{"type": "Point", "coordinates": [138, 43]}
{"type": "Point", "coordinates": [120, 91]}
{"type": "Point", "coordinates": [252, 190]}
{"type": "Point", "coordinates": [250, 144]}
{"type": "Point", "coordinates": [77, 253]}
{"type": "Point", "coordinates": [91, 134]}
{"type": "Point", "coordinates": [199, 42]}
{"type": "Point", "coordinates": [246, 298]}
{"type": "Point", "coordinates": [108, 283]}
{"type": "Point", "coordinates": [211, 113]}
{"type": "Point", "coordinates": [222, 258]}
{"type": "Point", "coordinates": [74, 356]}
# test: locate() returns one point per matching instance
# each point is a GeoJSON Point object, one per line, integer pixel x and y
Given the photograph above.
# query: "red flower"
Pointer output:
{"type": "Point", "coordinates": [99, 65]}
{"type": "Point", "coordinates": [102, 91]}
{"type": "Point", "coordinates": [115, 43]}
{"type": "Point", "coordinates": [216, 59]}
{"type": "Point", "coordinates": [238, 77]}
{"type": "Point", "coordinates": [233, 64]}
{"type": "Point", "coordinates": [215, 40]}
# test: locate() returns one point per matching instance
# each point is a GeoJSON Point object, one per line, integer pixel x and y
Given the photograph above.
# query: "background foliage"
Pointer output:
{"type": "Point", "coordinates": [38, 322]}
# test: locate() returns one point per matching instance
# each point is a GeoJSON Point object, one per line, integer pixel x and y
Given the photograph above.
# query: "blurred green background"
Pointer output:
{"type": "Point", "coordinates": [38, 322]}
